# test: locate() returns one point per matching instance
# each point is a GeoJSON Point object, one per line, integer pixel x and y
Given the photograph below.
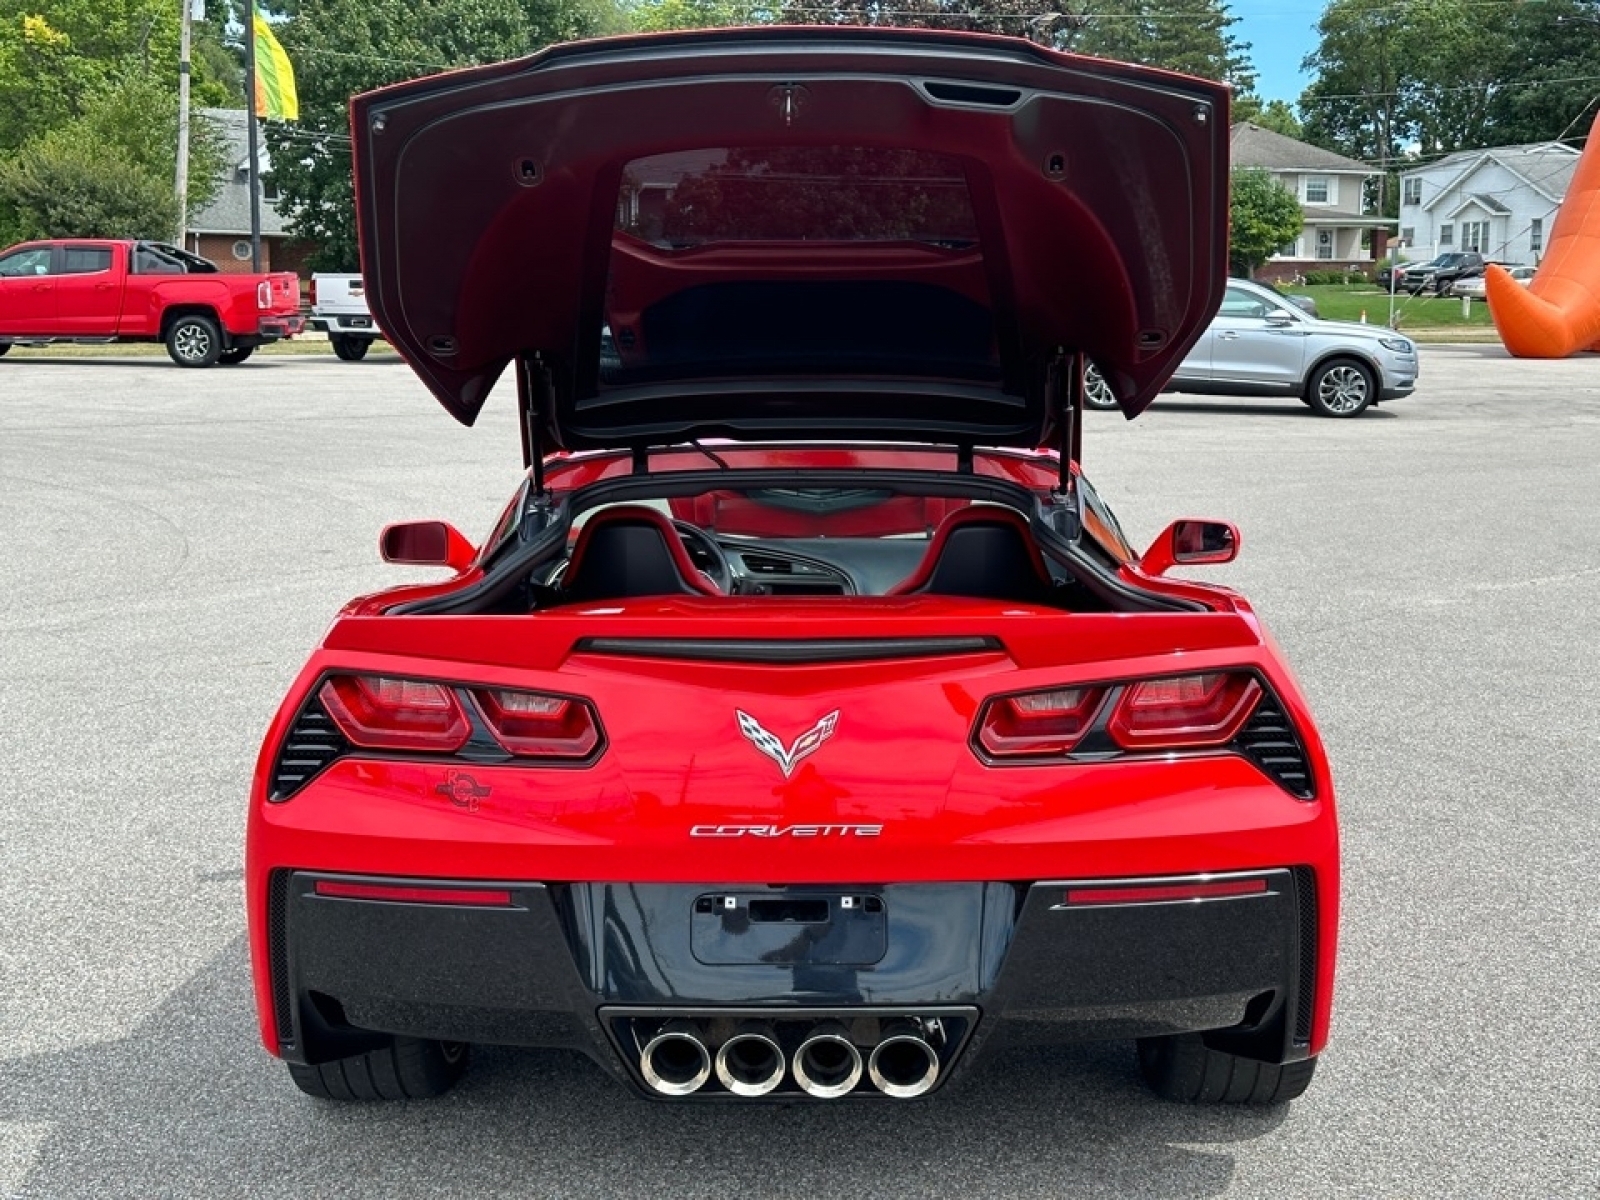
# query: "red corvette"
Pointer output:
{"type": "Point", "coordinates": [806, 727]}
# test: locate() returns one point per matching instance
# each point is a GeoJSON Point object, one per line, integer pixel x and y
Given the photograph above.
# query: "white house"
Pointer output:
{"type": "Point", "coordinates": [1332, 193]}
{"type": "Point", "coordinates": [1499, 202]}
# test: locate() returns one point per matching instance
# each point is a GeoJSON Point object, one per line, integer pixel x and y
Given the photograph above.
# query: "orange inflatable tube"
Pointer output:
{"type": "Point", "coordinates": [1559, 312]}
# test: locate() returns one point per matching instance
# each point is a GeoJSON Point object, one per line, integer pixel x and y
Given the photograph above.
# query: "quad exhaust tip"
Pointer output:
{"type": "Point", "coordinates": [750, 1063]}
{"type": "Point", "coordinates": [827, 1065]}
{"type": "Point", "coordinates": [903, 1063]}
{"type": "Point", "coordinates": [675, 1062]}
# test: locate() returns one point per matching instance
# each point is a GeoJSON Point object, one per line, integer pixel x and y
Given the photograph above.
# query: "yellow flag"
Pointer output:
{"type": "Point", "coordinates": [275, 94]}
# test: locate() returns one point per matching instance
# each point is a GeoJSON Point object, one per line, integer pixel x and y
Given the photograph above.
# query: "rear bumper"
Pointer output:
{"type": "Point", "coordinates": [272, 328]}
{"type": "Point", "coordinates": [351, 326]}
{"type": "Point", "coordinates": [597, 966]}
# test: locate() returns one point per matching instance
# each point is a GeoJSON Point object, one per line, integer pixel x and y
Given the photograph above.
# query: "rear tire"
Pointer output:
{"type": "Point", "coordinates": [406, 1069]}
{"type": "Point", "coordinates": [350, 349]}
{"type": "Point", "coordinates": [194, 341]}
{"type": "Point", "coordinates": [1184, 1070]}
{"type": "Point", "coordinates": [5, 349]}
{"type": "Point", "coordinates": [232, 358]}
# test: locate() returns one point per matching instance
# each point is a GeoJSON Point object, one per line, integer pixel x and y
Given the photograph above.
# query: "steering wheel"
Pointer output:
{"type": "Point", "coordinates": [721, 570]}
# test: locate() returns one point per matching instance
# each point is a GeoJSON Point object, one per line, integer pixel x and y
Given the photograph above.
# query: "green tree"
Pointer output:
{"type": "Point", "coordinates": [342, 47]}
{"type": "Point", "coordinates": [1263, 215]}
{"type": "Point", "coordinates": [1553, 90]}
{"type": "Point", "coordinates": [1194, 37]}
{"type": "Point", "coordinates": [653, 16]}
{"type": "Point", "coordinates": [1277, 116]}
{"type": "Point", "coordinates": [88, 118]}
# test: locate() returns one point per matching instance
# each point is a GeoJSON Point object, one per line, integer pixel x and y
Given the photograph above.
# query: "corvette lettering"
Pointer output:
{"type": "Point", "coordinates": [778, 831]}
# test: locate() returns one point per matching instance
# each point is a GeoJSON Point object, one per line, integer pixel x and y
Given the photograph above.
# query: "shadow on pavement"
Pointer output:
{"type": "Point", "coordinates": [189, 1105]}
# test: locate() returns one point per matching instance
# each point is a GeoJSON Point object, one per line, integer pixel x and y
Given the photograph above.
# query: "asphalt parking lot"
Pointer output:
{"type": "Point", "coordinates": [175, 541]}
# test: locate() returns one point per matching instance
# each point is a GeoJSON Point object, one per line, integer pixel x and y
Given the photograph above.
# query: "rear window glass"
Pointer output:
{"type": "Point", "coordinates": [86, 260]}
{"type": "Point", "coordinates": [750, 261]}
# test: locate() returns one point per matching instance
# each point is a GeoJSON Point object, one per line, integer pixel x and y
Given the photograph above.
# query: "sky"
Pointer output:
{"type": "Point", "coordinates": [1280, 33]}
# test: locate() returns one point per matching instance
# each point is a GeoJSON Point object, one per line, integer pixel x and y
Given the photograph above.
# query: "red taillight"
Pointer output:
{"type": "Point", "coordinates": [1037, 724]}
{"type": "Point", "coordinates": [534, 725]}
{"type": "Point", "coordinates": [382, 713]}
{"type": "Point", "coordinates": [313, 296]}
{"type": "Point", "coordinates": [478, 897]}
{"type": "Point", "coordinates": [264, 294]}
{"type": "Point", "coordinates": [1183, 711]}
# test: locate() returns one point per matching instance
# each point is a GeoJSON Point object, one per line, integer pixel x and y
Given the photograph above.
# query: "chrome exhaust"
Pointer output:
{"type": "Point", "coordinates": [675, 1062]}
{"type": "Point", "coordinates": [827, 1065]}
{"type": "Point", "coordinates": [750, 1063]}
{"type": "Point", "coordinates": [903, 1063]}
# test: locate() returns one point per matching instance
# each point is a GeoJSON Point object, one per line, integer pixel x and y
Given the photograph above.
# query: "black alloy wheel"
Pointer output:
{"type": "Point", "coordinates": [194, 340]}
{"type": "Point", "coordinates": [1341, 387]}
{"type": "Point", "coordinates": [350, 349]}
{"type": "Point", "coordinates": [406, 1069]}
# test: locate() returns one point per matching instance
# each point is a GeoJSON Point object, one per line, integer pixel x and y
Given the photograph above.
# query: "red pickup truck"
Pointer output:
{"type": "Point", "coordinates": [100, 290]}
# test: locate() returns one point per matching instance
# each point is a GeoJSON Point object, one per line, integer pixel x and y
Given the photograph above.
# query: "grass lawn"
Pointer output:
{"type": "Point", "coordinates": [1420, 315]}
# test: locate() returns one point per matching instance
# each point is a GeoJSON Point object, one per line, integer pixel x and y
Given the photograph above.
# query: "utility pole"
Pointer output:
{"type": "Point", "coordinates": [180, 183]}
{"type": "Point", "coordinates": [253, 135]}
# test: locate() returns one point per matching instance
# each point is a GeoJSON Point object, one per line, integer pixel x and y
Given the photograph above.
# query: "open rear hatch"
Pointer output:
{"type": "Point", "coordinates": [794, 233]}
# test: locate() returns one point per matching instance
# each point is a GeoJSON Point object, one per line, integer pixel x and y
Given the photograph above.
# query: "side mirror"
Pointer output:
{"type": "Point", "coordinates": [1191, 543]}
{"type": "Point", "coordinates": [1278, 318]}
{"type": "Point", "coordinates": [425, 544]}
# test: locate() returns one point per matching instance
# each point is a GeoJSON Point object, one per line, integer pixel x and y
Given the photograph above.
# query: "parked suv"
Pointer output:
{"type": "Point", "coordinates": [1438, 275]}
{"type": "Point", "coordinates": [1258, 344]}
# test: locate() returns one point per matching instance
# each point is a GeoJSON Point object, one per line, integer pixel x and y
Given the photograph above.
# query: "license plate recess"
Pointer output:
{"type": "Point", "coordinates": [829, 928]}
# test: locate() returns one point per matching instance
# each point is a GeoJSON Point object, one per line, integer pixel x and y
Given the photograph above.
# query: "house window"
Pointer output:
{"type": "Point", "coordinates": [1536, 235]}
{"type": "Point", "coordinates": [1317, 189]}
{"type": "Point", "coordinates": [241, 250]}
{"type": "Point", "coordinates": [1408, 235]}
{"type": "Point", "coordinates": [1411, 191]}
{"type": "Point", "coordinates": [1474, 235]}
{"type": "Point", "coordinates": [1447, 235]}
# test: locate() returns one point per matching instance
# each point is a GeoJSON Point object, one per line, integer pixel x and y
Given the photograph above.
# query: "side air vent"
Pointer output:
{"type": "Point", "coordinates": [278, 954]}
{"type": "Point", "coordinates": [1269, 740]}
{"type": "Point", "coordinates": [1305, 895]}
{"type": "Point", "coordinates": [771, 564]}
{"type": "Point", "coordinates": [313, 742]}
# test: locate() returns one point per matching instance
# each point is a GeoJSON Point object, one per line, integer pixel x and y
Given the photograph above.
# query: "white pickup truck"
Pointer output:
{"type": "Point", "coordinates": [339, 309]}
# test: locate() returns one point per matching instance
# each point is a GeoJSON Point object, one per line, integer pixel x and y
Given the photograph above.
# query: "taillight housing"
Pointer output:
{"type": "Point", "coordinates": [1044, 724]}
{"type": "Point", "coordinates": [1183, 711]}
{"type": "Point", "coordinates": [538, 725]}
{"type": "Point", "coordinates": [264, 294]}
{"type": "Point", "coordinates": [379, 712]}
{"type": "Point", "coordinates": [1172, 712]}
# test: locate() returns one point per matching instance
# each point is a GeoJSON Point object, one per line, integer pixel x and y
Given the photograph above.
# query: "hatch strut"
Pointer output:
{"type": "Point", "coordinates": [533, 401]}
{"type": "Point", "coordinates": [1066, 394]}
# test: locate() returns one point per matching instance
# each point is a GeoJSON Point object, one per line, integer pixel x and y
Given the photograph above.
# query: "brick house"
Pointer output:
{"type": "Point", "coordinates": [221, 230]}
{"type": "Point", "coordinates": [1331, 190]}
